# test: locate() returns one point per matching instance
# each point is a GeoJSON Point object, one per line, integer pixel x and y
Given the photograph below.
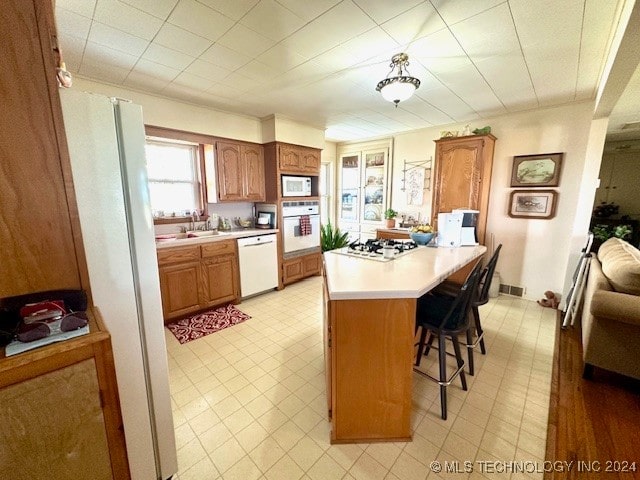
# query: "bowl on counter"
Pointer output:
{"type": "Point", "coordinates": [421, 238]}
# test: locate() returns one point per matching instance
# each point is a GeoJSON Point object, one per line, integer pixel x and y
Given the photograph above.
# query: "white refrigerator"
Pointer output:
{"type": "Point", "coordinates": [106, 142]}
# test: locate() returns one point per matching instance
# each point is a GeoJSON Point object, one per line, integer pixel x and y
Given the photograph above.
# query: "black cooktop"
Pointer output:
{"type": "Point", "coordinates": [375, 246]}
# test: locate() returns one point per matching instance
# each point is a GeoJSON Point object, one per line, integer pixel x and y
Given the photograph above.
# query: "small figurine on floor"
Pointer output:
{"type": "Point", "coordinates": [550, 300]}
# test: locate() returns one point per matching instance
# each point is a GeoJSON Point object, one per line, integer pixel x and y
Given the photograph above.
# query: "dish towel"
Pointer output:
{"type": "Point", "coordinates": [305, 225]}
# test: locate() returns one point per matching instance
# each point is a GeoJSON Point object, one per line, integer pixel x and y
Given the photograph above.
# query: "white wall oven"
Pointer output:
{"type": "Point", "coordinates": [300, 227]}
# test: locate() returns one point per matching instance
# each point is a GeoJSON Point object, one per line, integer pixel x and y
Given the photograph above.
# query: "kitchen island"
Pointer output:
{"type": "Point", "coordinates": [369, 323]}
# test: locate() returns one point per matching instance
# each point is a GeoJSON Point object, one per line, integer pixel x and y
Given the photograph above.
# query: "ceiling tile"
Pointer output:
{"type": "Point", "coordinates": [308, 9]}
{"type": "Point", "coordinates": [225, 91]}
{"type": "Point", "coordinates": [73, 23]}
{"type": "Point", "coordinates": [190, 80]}
{"type": "Point", "coordinates": [414, 24]}
{"type": "Point", "coordinates": [72, 49]}
{"type": "Point", "coordinates": [83, 7]}
{"type": "Point", "coordinates": [240, 82]}
{"type": "Point", "coordinates": [166, 56]}
{"type": "Point", "coordinates": [272, 20]}
{"type": "Point", "coordinates": [100, 70]}
{"type": "Point", "coordinates": [281, 58]}
{"type": "Point", "coordinates": [234, 9]}
{"type": "Point", "coordinates": [207, 70]}
{"type": "Point", "coordinates": [186, 94]}
{"type": "Point", "coordinates": [341, 23]}
{"type": "Point", "coordinates": [158, 8]}
{"type": "Point", "coordinates": [371, 48]}
{"type": "Point", "coordinates": [453, 12]}
{"type": "Point", "coordinates": [426, 111]}
{"type": "Point", "coordinates": [258, 70]}
{"type": "Point", "coordinates": [487, 34]}
{"type": "Point", "coordinates": [225, 57]}
{"type": "Point", "coordinates": [147, 83]}
{"type": "Point", "coordinates": [105, 35]}
{"type": "Point", "coordinates": [545, 36]}
{"type": "Point", "coordinates": [95, 53]}
{"type": "Point", "coordinates": [597, 27]}
{"type": "Point", "coordinates": [508, 77]}
{"type": "Point", "coordinates": [383, 11]}
{"type": "Point", "coordinates": [126, 18]}
{"type": "Point", "coordinates": [181, 40]}
{"type": "Point", "coordinates": [200, 20]}
{"type": "Point", "coordinates": [246, 41]}
{"type": "Point", "coordinates": [153, 69]}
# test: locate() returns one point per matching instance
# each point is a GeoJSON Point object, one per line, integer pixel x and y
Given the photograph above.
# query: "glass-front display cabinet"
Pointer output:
{"type": "Point", "coordinates": [363, 189]}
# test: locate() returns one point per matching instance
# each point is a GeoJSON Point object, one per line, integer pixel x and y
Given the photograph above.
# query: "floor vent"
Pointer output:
{"type": "Point", "coordinates": [511, 290]}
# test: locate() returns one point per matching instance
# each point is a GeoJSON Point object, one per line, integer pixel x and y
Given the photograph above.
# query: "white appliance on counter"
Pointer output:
{"type": "Point", "coordinates": [258, 258]}
{"type": "Point", "coordinates": [294, 240]}
{"type": "Point", "coordinates": [296, 186]}
{"type": "Point", "coordinates": [449, 229]}
{"type": "Point", "coordinates": [106, 141]}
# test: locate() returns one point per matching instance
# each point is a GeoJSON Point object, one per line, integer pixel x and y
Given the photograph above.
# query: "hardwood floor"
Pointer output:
{"type": "Point", "coordinates": [591, 421]}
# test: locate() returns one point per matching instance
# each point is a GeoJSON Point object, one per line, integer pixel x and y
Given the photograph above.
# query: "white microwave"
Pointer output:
{"type": "Point", "coordinates": [296, 186]}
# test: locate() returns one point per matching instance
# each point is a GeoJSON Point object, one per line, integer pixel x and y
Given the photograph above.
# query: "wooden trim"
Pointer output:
{"type": "Point", "coordinates": [193, 137]}
{"type": "Point", "coordinates": [552, 425]}
{"type": "Point", "coordinates": [48, 41]}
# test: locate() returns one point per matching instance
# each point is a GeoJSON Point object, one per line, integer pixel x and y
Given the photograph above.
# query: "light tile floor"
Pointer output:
{"type": "Point", "coordinates": [249, 401]}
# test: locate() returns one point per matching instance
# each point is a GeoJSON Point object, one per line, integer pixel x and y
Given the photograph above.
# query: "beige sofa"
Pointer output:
{"type": "Point", "coordinates": [611, 312]}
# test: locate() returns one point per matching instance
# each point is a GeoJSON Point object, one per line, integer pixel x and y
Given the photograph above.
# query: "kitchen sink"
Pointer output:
{"type": "Point", "coordinates": [201, 233]}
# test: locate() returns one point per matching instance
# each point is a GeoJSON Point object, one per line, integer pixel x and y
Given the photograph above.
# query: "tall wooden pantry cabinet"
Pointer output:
{"type": "Point", "coordinates": [463, 176]}
{"type": "Point", "coordinates": [58, 403]}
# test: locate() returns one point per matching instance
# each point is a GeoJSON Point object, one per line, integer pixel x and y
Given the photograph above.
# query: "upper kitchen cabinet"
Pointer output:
{"type": "Point", "coordinates": [363, 188]}
{"type": "Point", "coordinates": [240, 172]}
{"type": "Point", "coordinates": [39, 228]}
{"type": "Point", "coordinates": [463, 176]}
{"type": "Point", "coordinates": [286, 159]}
{"type": "Point", "coordinates": [298, 160]}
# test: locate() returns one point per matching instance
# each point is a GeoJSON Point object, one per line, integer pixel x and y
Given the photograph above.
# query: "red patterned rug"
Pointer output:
{"type": "Point", "coordinates": [205, 323]}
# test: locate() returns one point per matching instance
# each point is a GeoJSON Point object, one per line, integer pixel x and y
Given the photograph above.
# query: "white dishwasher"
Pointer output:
{"type": "Point", "coordinates": [258, 257]}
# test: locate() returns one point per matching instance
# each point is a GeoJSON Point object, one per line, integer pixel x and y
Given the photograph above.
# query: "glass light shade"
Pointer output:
{"type": "Point", "coordinates": [397, 91]}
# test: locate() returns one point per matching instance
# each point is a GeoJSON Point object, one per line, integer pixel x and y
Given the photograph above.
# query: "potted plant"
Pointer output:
{"type": "Point", "coordinates": [390, 216]}
{"type": "Point", "coordinates": [331, 237]}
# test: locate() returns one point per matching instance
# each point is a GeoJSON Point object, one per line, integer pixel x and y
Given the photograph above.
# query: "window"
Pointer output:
{"type": "Point", "coordinates": [325, 195]}
{"type": "Point", "coordinates": [174, 182]}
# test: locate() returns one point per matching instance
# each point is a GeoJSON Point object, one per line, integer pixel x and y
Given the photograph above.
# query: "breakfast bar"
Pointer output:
{"type": "Point", "coordinates": [369, 322]}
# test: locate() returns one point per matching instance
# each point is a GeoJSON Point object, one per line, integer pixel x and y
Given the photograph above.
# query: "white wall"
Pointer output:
{"type": "Point", "coordinates": [535, 253]}
{"type": "Point", "coordinates": [283, 129]}
{"type": "Point", "coordinates": [167, 113]}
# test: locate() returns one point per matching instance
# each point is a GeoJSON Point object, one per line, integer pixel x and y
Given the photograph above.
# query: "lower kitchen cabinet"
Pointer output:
{"type": "Point", "coordinates": [198, 277]}
{"type": "Point", "coordinates": [179, 288]}
{"type": "Point", "coordinates": [220, 279]}
{"type": "Point", "coordinates": [294, 269]}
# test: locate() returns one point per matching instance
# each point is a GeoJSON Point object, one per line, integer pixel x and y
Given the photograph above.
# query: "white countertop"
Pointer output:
{"type": "Point", "coordinates": [409, 276]}
{"type": "Point", "coordinates": [228, 235]}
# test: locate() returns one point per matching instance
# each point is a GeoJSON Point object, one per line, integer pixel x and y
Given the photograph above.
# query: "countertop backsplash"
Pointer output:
{"type": "Point", "coordinates": [243, 210]}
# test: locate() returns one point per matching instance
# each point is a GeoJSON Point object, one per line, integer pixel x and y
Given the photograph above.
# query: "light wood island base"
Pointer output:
{"type": "Point", "coordinates": [369, 326]}
{"type": "Point", "coordinates": [371, 349]}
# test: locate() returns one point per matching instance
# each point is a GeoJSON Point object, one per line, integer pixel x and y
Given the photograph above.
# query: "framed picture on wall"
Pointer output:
{"type": "Point", "coordinates": [536, 170]}
{"type": "Point", "coordinates": [533, 204]}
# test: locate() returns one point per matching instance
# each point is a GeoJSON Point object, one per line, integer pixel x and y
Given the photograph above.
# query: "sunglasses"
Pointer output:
{"type": "Point", "coordinates": [29, 331]}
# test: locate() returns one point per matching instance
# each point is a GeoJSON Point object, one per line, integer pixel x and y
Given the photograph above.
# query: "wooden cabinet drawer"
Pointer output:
{"type": "Point", "coordinates": [217, 248]}
{"type": "Point", "coordinates": [177, 255]}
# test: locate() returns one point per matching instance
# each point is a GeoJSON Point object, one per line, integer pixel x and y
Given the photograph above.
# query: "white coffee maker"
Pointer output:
{"type": "Point", "coordinates": [449, 229]}
{"type": "Point", "coordinates": [469, 234]}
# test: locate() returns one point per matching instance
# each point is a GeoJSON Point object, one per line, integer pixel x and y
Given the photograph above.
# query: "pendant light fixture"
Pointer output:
{"type": "Point", "coordinates": [399, 87]}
